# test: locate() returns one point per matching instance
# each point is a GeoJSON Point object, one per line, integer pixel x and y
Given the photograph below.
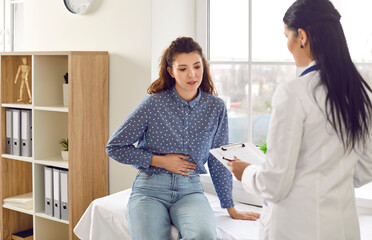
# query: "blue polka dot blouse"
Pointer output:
{"type": "Point", "coordinates": [165, 123]}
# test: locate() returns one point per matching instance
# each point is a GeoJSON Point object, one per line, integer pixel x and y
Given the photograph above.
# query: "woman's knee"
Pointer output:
{"type": "Point", "coordinates": [201, 232]}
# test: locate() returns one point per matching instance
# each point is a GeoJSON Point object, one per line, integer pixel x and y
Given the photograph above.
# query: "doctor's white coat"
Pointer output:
{"type": "Point", "coordinates": [307, 180]}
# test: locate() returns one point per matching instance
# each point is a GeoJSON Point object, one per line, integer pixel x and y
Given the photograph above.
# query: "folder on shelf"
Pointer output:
{"type": "Point", "coordinates": [16, 131]}
{"type": "Point", "coordinates": [48, 182]}
{"type": "Point", "coordinates": [64, 194]}
{"type": "Point", "coordinates": [56, 193]}
{"type": "Point", "coordinates": [21, 201]}
{"type": "Point", "coordinates": [24, 235]}
{"type": "Point", "coordinates": [9, 131]}
{"type": "Point", "coordinates": [26, 133]}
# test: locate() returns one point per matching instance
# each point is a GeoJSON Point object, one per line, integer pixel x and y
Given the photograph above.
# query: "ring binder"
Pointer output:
{"type": "Point", "coordinates": [16, 132]}
{"type": "Point", "coordinates": [26, 133]}
{"type": "Point", "coordinates": [9, 131]}
{"type": "Point", "coordinates": [48, 181]}
{"type": "Point", "coordinates": [64, 194]}
{"type": "Point", "coordinates": [56, 193]}
{"type": "Point", "coordinates": [224, 148]}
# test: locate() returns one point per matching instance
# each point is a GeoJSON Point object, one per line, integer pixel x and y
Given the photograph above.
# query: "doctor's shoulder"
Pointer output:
{"type": "Point", "coordinates": [291, 91]}
{"type": "Point", "coordinates": [298, 87]}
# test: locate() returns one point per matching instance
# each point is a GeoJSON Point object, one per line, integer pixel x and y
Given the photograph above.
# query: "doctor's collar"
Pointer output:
{"type": "Point", "coordinates": [302, 71]}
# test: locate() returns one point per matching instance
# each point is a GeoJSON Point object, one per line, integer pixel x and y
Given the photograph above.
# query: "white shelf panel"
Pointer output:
{"type": "Point", "coordinates": [43, 215]}
{"type": "Point", "coordinates": [15, 105]}
{"type": "Point", "coordinates": [54, 161]}
{"type": "Point", "coordinates": [56, 108]}
{"type": "Point", "coordinates": [18, 209]}
{"type": "Point", "coordinates": [19, 158]}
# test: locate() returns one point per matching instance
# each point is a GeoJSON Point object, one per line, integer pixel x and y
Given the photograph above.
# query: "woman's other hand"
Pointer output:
{"type": "Point", "coordinates": [175, 163]}
{"type": "Point", "coordinates": [242, 215]}
{"type": "Point", "coordinates": [237, 167]}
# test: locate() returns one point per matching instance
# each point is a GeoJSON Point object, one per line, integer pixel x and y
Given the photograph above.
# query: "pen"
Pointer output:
{"type": "Point", "coordinates": [230, 160]}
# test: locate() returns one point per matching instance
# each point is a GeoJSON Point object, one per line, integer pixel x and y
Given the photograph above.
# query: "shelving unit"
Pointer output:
{"type": "Point", "coordinates": [84, 122]}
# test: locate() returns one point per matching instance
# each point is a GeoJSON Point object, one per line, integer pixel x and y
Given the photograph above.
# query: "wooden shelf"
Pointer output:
{"type": "Point", "coordinates": [15, 105]}
{"type": "Point", "coordinates": [52, 108]}
{"type": "Point", "coordinates": [19, 158]}
{"type": "Point", "coordinates": [86, 114]}
{"type": "Point", "coordinates": [18, 209]}
{"type": "Point", "coordinates": [43, 215]}
{"type": "Point", "coordinates": [54, 161]}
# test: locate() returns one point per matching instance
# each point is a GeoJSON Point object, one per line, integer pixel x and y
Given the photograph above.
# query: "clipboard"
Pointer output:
{"type": "Point", "coordinates": [247, 152]}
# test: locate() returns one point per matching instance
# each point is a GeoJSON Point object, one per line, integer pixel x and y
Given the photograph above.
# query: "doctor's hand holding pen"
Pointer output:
{"type": "Point", "coordinates": [237, 167]}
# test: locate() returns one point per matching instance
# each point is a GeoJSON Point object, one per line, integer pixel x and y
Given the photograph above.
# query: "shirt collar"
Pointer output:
{"type": "Point", "coordinates": [182, 102]}
{"type": "Point", "coordinates": [300, 70]}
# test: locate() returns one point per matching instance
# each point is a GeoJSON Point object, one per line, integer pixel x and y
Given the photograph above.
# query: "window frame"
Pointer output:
{"type": "Point", "coordinates": [363, 196]}
{"type": "Point", "coordinates": [7, 37]}
{"type": "Point", "coordinates": [203, 37]}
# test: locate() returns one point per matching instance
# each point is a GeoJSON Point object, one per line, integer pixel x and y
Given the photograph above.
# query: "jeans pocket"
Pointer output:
{"type": "Point", "coordinates": [193, 178]}
{"type": "Point", "coordinates": [144, 175]}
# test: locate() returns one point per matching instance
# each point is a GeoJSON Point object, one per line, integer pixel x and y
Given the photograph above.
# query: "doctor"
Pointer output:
{"type": "Point", "coordinates": [319, 140]}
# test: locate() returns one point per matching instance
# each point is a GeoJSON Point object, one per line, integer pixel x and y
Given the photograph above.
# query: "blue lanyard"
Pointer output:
{"type": "Point", "coordinates": [310, 69]}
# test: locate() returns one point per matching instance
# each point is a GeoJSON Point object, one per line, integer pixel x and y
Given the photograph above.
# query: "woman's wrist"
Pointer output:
{"type": "Point", "coordinates": [157, 161]}
{"type": "Point", "coordinates": [231, 211]}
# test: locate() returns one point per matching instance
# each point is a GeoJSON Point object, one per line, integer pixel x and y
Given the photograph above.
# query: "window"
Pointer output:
{"type": "Point", "coordinates": [248, 54]}
{"type": "Point", "coordinates": [11, 25]}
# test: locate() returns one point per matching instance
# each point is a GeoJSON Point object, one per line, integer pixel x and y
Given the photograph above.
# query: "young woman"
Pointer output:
{"type": "Point", "coordinates": [175, 126]}
{"type": "Point", "coordinates": [319, 140]}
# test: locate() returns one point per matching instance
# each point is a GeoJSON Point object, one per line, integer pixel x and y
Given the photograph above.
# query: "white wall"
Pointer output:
{"type": "Point", "coordinates": [134, 32]}
{"type": "Point", "coordinates": [170, 19]}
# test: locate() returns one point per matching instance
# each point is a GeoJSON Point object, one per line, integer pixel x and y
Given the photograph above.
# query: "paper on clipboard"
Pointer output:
{"type": "Point", "coordinates": [247, 152]}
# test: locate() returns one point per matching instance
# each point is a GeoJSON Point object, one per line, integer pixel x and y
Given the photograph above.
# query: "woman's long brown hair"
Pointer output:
{"type": "Point", "coordinates": [166, 81]}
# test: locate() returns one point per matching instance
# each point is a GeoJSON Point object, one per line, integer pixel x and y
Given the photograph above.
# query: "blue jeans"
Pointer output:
{"type": "Point", "coordinates": [159, 200]}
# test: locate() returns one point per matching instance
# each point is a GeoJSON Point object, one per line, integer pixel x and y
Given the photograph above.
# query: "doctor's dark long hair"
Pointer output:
{"type": "Point", "coordinates": [347, 97]}
{"type": "Point", "coordinates": [166, 81]}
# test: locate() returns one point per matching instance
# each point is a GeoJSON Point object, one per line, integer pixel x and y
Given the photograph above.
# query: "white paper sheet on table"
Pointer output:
{"type": "Point", "coordinates": [247, 152]}
{"type": "Point", "coordinates": [105, 219]}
